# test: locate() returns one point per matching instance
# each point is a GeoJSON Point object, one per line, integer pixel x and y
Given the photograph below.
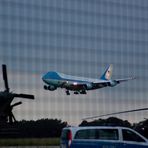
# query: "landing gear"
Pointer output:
{"type": "Point", "coordinates": [50, 87]}
{"type": "Point", "coordinates": [67, 92]}
{"type": "Point", "coordinates": [76, 92]}
{"type": "Point", "coordinates": [83, 92]}
{"type": "Point", "coordinates": [45, 87]}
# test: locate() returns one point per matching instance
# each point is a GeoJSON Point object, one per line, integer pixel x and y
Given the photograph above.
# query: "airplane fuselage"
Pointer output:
{"type": "Point", "coordinates": [60, 80]}
{"type": "Point", "coordinates": [56, 80]}
{"type": "Point", "coordinates": [80, 85]}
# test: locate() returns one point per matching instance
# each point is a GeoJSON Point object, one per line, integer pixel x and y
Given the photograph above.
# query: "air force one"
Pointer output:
{"type": "Point", "coordinates": [79, 85]}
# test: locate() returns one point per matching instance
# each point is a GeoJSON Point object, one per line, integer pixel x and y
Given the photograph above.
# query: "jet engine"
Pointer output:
{"type": "Point", "coordinates": [89, 85]}
{"type": "Point", "coordinates": [50, 87]}
{"type": "Point", "coordinates": [113, 83]}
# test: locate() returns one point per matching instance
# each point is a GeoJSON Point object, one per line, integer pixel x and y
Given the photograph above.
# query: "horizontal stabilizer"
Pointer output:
{"type": "Point", "coordinates": [125, 79]}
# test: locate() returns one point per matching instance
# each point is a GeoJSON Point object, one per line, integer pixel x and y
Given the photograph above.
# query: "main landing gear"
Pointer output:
{"type": "Point", "coordinates": [83, 92]}
{"type": "Point", "coordinates": [76, 92]}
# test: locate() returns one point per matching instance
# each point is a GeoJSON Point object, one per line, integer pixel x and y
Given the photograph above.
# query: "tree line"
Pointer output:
{"type": "Point", "coordinates": [44, 128]}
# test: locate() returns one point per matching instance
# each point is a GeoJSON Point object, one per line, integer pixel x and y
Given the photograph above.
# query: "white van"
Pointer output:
{"type": "Point", "coordinates": [101, 137]}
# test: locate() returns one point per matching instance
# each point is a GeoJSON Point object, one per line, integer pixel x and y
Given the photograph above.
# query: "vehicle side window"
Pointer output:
{"type": "Point", "coordinates": [131, 136]}
{"type": "Point", "coordinates": [100, 134]}
{"type": "Point", "coordinates": [85, 134]}
{"type": "Point", "coordinates": [107, 134]}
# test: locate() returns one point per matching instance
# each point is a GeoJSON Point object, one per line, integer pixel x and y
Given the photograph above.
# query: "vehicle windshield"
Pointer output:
{"type": "Point", "coordinates": [131, 136]}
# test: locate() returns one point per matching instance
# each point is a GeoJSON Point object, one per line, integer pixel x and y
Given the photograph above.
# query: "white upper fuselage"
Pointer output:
{"type": "Point", "coordinates": [55, 78]}
{"type": "Point", "coordinates": [80, 79]}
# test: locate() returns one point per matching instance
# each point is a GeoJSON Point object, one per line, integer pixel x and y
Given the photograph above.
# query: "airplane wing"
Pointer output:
{"type": "Point", "coordinates": [101, 84]}
{"type": "Point", "coordinates": [74, 86]}
{"type": "Point", "coordinates": [111, 82]}
{"type": "Point", "coordinates": [123, 80]}
{"type": "Point", "coordinates": [85, 86]}
{"type": "Point", "coordinates": [78, 86]}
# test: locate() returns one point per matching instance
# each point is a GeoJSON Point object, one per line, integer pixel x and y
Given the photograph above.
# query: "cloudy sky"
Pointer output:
{"type": "Point", "coordinates": [80, 37]}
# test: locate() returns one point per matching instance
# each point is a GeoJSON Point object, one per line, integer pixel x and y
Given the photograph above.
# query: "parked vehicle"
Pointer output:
{"type": "Point", "coordinates": [101, 137]}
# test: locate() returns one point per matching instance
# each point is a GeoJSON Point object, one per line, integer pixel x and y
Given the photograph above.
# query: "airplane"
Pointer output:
{"type": "Point", "coordinates": [80, 85]}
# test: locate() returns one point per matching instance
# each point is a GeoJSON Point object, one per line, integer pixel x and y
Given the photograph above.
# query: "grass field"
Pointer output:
{"type": "Point", "coordinates": [30, 141]}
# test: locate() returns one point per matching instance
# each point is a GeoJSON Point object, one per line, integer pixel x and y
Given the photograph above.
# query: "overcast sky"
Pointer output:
{"type": "Point", "coordinates": [80, 37]}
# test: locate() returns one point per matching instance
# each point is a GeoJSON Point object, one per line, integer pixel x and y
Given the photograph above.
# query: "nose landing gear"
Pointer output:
{"type": "Point", "coordinates": [67, 92]}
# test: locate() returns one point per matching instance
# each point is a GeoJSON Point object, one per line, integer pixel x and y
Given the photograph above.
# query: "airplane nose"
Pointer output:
{"type": "Point", "coordinates": [44, 78]}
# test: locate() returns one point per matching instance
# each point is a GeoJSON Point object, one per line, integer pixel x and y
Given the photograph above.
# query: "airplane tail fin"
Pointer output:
{"type": "Point", "coordinates": [108, 73]}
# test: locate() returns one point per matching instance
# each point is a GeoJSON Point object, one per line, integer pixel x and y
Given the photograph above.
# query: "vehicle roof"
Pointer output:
{"type": "Point", "coordinates": [96, 127]}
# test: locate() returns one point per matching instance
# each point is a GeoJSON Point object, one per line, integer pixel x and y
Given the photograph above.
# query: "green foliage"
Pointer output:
{"type": "Point", "coordinates": [112, 121]}
{"type": "Point", "coordinates": [45, 128]}
{"type": "Point", "coordinates": [142, 127]}
{"type": "Point", "coordinates": [30, 142]}
{"type": "Point", "coordinates": [42, 128]}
